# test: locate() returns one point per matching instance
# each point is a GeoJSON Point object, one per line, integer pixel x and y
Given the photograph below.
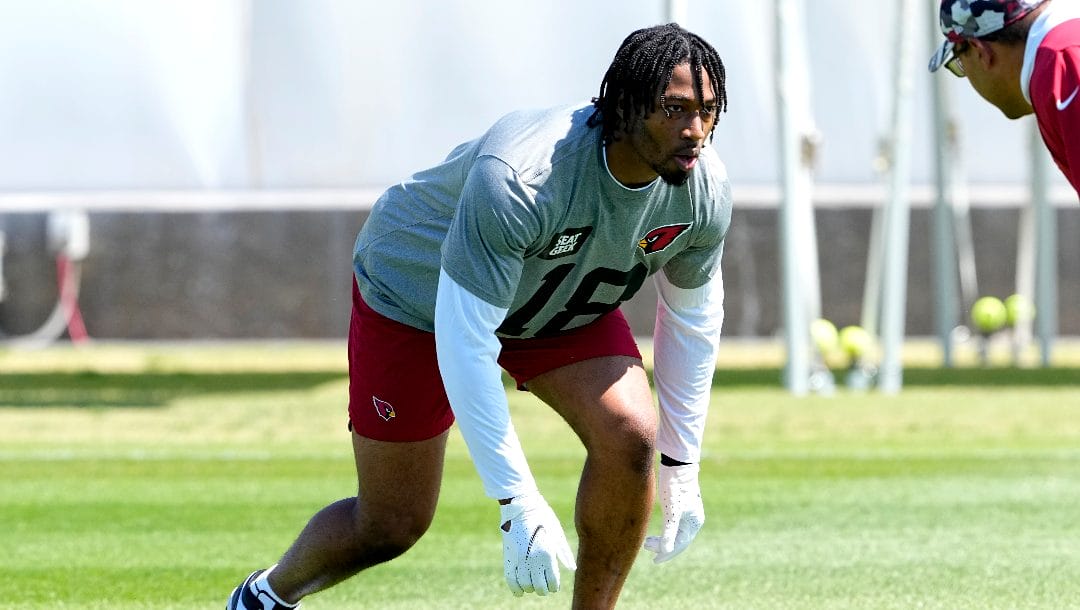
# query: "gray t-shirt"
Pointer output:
{"type": "Point", "coordinates": [527, 217]}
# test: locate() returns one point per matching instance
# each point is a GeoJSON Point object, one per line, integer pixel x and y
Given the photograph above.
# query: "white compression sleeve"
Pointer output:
{"type": "Point", "coordinates": [468, 352]}
{"type": "Point", "coordinates": [685, 344]}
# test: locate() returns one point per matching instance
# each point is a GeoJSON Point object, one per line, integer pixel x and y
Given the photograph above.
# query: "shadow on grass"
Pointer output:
{"type": "Point", "coordinates": [143, 389]}
{"type": "Point", "coordinates": [996, 377]}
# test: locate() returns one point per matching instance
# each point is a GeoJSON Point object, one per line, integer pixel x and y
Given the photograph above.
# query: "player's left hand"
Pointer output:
{"type": "Point", "coordinates": [684, 513]}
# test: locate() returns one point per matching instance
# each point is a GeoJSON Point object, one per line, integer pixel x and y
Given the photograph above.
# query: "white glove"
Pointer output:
{"type": "Point", "coordinates": [684, 513]}
{"type": "Point", "coordinates": [533, 545]}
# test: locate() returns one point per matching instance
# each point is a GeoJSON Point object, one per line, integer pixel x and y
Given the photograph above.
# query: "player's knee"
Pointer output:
{"type": "Point", "coordinates": [388, 534]}
{"type": "Point", "coordinates": [630, 444]}
{"type": "Point", "coordinates": [640, 451]}
{"type": "Point", "coordinates": [393, 543]}
{"type": "Point", "coordinates": [403, 529]}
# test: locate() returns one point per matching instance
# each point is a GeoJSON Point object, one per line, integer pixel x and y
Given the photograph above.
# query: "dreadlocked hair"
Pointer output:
{"type": "Point", "coordinates": [642, 69]}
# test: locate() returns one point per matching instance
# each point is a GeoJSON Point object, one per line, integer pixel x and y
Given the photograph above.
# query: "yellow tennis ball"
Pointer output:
{"type": "Point", "coordinates": [1018, 309]}
{"type": "Point", "coordinates": [855, 341]}
{"type": "Point", "coordinates": [824, 335]}
{"type": "Point", "coordinates": [988, 314]}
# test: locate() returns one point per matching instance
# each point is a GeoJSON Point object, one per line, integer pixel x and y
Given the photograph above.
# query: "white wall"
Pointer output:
{"type": "Point", "coordinates": [137, 94]}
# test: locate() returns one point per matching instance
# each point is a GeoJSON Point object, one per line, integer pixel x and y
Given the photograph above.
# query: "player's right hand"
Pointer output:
{"type": "Point", "coordinates": [533, 545]}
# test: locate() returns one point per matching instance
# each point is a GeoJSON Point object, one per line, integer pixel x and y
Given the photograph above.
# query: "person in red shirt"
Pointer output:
{"type": "Point", "coordinates": [1022, 56]}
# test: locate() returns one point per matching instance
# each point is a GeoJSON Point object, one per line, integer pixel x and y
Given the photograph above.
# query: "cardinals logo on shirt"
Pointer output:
{"type": "Point", "coordinates": [384, 409]}
{"type": "Point", "coordinates": [661, 237]}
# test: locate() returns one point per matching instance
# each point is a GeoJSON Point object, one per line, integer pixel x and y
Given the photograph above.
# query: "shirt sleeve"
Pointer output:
{"type": "Point", "coordinates": [494, 224]}
{"type": "Point", "coordinates": [695, 265]}
{"type": "Point", "coordinates": [468, 352]}
{"type": "Point", "coordinates": [685, 345]}
{"type": "Point", "coordinates": [1055, 89]}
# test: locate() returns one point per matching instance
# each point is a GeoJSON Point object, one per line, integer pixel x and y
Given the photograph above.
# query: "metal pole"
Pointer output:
{"type": "Point", "coordinates": [945, 150]}
{"type": "Point", "coordinates": [796, 327]}
{"type": "Point", "coordinates": [898, 211]}
{"type": "Point", "coordinates": [1046, 253]}
{"type": "Point", "coordinates": [1026, 255]}
{"type": "Point", "coordinates": [251, 99]}
{"type": "Point", "coordinates": [676, 11]}
{"type": "Point", "coordinates": [871, 303]}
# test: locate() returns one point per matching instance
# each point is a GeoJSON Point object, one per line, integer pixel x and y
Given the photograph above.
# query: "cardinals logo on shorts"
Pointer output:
{"type": "Point", "coordinates": [384, 409]}
{"type": "Point", "coordinates": [661, 237]}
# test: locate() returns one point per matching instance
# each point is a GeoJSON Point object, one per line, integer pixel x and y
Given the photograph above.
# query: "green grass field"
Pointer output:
{"type": "Point", "coordinates": [158, 477]}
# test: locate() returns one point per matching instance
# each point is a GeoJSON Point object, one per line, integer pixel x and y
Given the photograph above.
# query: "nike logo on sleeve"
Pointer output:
{"type": "Point", "coordinates": [1063, 104]}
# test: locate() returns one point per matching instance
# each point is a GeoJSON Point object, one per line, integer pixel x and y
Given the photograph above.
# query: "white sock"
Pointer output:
{"type": "Point", "coordinates": [262, 586]}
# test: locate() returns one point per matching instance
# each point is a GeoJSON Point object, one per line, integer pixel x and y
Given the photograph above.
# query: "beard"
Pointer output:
{"type": "Point", "coordinates": [650, 150]}
{"type": "Point", "coordinates": [676, 177]}
{"type": "Point", "coordinates": [661, 161]}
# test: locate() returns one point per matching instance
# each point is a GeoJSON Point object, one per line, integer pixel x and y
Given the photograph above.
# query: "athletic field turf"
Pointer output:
{"type": "Point", "coordinates": [157, 477]}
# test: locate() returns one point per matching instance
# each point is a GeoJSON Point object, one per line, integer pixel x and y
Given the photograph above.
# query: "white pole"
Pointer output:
{"type": "Point", "coordinates": [898, 210]}
{"type": "Point", "coordinates": [676, 11]}
{"type": "Point", "coordinates": [1026, 256]}
{"type": "Point", "coordinates": [965, 240]}
{"type": "Point", "coordinates": [871, 303]}
{"type": "Point", "coordinates": [945, 298]}
{"type": "Point", "coordinates": [1046, 252]}
{"type": "Point", "coordinates": [3, 249]}
{"type": "Point", "coordinates": [251, 99]}
{"type": "Point", "coordinates": [796, 326]}
{"type": "Point", "coordinates": [946, 153]}
{"type": "Point", "coordinates": [806, 140]}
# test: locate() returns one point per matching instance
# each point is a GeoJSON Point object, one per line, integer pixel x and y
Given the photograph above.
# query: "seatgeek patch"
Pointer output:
{"type": "Point", "coordinates": [566, 243]}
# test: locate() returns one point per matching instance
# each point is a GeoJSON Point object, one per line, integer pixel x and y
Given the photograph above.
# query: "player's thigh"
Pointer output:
{"type": "Point", "coordinates": [606, 400]}
{"type": "Point", "coordinates": [396, 393]}
{"type": "Point", "coordinates": [399, 481]}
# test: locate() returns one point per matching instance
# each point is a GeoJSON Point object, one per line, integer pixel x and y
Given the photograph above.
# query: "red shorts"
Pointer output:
{"type": "Point", "coordinates": [396, 393]}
